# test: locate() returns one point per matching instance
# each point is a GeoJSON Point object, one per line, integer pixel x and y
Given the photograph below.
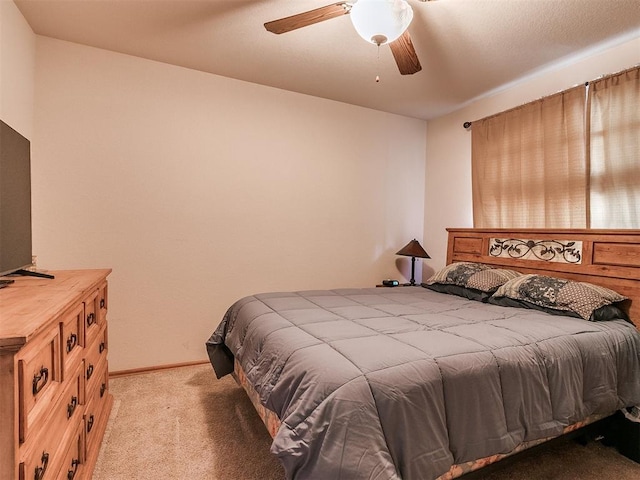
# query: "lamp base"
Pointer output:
{"type": "Point", "coordinates": [412, 282]}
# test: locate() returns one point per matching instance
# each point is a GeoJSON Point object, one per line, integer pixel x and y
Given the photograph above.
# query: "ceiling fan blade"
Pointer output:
{"type": "Point", "coordinates": [405, 54]}
{"type": "Point", "coordinates": [300, 20]}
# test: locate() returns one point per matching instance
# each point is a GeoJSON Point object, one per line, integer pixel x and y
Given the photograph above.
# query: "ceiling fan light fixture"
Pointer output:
{"type": "Point", "coordinates": [381, 21]}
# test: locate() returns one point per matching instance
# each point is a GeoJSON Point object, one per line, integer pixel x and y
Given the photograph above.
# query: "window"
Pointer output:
{"type": "Point", "coordinates": [532, 166]}
{"type": "Point", "coordinates": [615, 151]}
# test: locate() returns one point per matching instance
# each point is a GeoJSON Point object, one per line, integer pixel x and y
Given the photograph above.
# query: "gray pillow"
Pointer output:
{"type": "Point", "coordinates": [580, 298]}
{"type": "Point", "coordinates": [476, 276]}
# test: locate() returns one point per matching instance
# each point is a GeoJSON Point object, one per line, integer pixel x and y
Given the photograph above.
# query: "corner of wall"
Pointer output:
{"type": "Point", "coordinates": [17, 69]}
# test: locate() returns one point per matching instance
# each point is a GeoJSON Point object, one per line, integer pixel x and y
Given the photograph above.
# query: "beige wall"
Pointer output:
{"type": "Point", "coordinates": [448, 201]}
{"type": "Point", "coordinates": [198, 189]}
{"type": "Point", "coordinates": [17, 66]}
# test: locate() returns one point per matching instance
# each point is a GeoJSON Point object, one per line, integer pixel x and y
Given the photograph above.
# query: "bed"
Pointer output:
{"type": "Point", "coordinates": [412, 383]}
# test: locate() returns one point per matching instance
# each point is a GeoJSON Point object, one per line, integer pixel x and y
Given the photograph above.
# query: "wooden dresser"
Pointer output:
{"type": "Point", "coordinates": [54, 390]}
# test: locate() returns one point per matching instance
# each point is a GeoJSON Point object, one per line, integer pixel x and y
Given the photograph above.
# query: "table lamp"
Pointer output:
{"type": "Point", "coordinates": [413, 249]}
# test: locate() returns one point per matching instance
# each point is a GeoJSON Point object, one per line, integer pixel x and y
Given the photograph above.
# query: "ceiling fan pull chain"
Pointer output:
{"type": "Point", "coordinates": [378, 65]}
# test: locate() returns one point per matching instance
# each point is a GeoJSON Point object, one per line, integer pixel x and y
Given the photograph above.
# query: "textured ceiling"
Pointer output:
{"type": "Point", "coordinates": [466, 47]}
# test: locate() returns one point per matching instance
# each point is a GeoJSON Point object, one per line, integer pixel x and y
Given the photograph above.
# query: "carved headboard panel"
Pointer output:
{"type": "Point", "coordinates": [610, 258]}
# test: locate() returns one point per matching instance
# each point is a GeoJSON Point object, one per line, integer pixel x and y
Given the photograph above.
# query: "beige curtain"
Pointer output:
{"type": "Point", "coordinates": [529, 165]}
{"type": "Point", "coordinates": [615, 151]}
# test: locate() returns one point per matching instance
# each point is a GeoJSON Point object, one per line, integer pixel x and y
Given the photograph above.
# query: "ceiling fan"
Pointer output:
{"type": "Point", "coordinates": [377, 21]}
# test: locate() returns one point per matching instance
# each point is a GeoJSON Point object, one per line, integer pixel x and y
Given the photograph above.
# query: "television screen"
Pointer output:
{"type": "Point", "coordinates": [15, 200]}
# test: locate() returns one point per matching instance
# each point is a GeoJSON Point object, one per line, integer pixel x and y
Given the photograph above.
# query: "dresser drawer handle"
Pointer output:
{"type": "Point", "coordinates": [39, 472]}
{"type": "Point", "coordinates": [72, 341]}
{"type": "Point", "coordinates": [91, 319]}
{"type": "Point", "coordinates": [90, 424]}
{"type": "Point", "coordinates": [103, 304]}
{"type": "Point", "coordinates": [89, 371]}
{"type": "Point", "coordinates": [74, 468]}
{"type": "Point", "coordinates": [103, 388]}
{"type": "Point", "coordinates": [71, 407]}
{"type": "Point", "coordinates": [37, 384]}
{"type": "Point", "coordinates": [101, 347]}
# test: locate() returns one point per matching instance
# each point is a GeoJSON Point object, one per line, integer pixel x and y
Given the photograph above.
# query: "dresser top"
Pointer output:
{"type": "Point", "coordinates": [31, 303]}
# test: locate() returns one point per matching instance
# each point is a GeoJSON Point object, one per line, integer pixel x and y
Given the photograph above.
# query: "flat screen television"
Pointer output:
{"type": "Point", "coordinates": [15, 200]}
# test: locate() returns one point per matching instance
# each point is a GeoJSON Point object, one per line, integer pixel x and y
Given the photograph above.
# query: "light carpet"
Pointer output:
{"type": "Point", "coordinates": [184, 424]}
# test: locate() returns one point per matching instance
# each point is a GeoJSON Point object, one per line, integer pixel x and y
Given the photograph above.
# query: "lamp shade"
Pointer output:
{"type": "Point", "coordinates": [381, 21]}
{"type": "Point", "coordinates": [413, 249]}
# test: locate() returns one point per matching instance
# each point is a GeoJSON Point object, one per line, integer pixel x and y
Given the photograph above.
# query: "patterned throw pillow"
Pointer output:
{"type": "Point", "coordinates": [559, 294]}
{"type": "Point", "coordinates": [477, 276]}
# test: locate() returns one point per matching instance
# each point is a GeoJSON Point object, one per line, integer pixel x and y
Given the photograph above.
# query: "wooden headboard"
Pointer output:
{"type": "Point", "coordinates": [610, 258]}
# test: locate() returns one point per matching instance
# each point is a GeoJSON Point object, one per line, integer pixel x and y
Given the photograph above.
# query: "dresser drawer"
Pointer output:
{"type": "Point", "coordinates": [74, 458]}
{"type": "Point", "coordinates": [95, 356]}
{"type": "Point", "coordinates": [65, 415]}
{"type": "Point", "coordinates": [69, 408]}
{"type": "Point", "coordinates": [72, 338]}
{"type": "Point", "coordinates": [100, 388]}
{"type": "Point", "coordinates": [96, 397]}
{"type": "Point", "coordinates": [93, 419]}
{"type": "Point", "coordinates": [38, 378]}
{"type": "Point", "coordinates": [102, 303]}
{"type": "Point", "coordinates": [42, 456]}
{"type": "Point", "coordinates": [39, 466]}
{"type": "Point", "coordinates": [91, 323]}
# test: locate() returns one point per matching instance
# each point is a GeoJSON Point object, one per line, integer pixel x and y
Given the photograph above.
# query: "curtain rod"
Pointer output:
{"type": "Point", "coordinates": [467, 125]}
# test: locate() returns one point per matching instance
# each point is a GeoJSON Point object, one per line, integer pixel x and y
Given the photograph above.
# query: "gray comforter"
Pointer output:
{"type": "Point", "coordinates": [385, 383]}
